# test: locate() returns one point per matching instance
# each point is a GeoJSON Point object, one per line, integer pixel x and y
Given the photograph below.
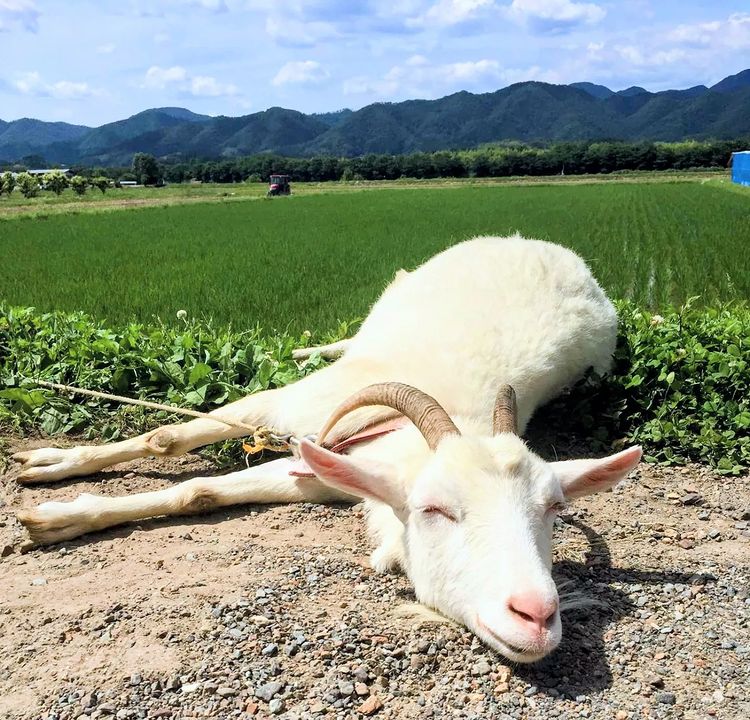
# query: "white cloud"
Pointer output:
{"type": "Point", "coordinates": [291, 32]}
{"type": "Point", "coordinates": [216, 6]}
{"type": "Point", "coordinates": [31, 83]}
{"type": "Point", "coordinates": [19, 12]}
{"type": "Point", "coordinates": [732, 33]}
{"type": "Point", "coordinates": [446, 13]}
{"type": "Point", "coordinates": [637, 56]}
{"type": "Point", "coordinates": [207, 86]}
{"type": "Point", "coordinates": [550, 16]}
{"type": "Point", "coordinates": [417, 77]}
{"type": "Point", "coordinates": [158, 78]}
{"type": "Point", "coordinates": [178, 78]}
{"type": "Point", "coordinates": [304, 72]}
{"type": "Point", "coordinates": [106, 49]}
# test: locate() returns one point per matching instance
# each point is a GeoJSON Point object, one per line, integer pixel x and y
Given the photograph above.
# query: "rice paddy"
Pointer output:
{"type": "Point", "coordinates": [312, 261]}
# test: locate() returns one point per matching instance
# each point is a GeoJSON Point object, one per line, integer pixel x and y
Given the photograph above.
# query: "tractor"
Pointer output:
{"type": "Point", "coordinates": [279, 186]}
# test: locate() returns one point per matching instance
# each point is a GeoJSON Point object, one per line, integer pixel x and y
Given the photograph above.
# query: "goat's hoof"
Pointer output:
{"type": "Point", "coordinates": [385, 559]}
{"type": "Point", "coordinates": [49, 464]}
{"type": "Point", "coordinates": [51, 522]}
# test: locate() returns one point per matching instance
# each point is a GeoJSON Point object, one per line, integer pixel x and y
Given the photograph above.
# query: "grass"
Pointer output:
{"type": "Point", "coordinates": [309, 262]}
{"type": "Point", "coordinates": [128, 198]}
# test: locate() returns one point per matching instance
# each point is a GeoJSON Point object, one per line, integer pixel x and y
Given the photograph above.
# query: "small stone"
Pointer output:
{"type": "Point", "coordinates": [39, 581]}
{"type": "Point", "coordinates": [361, 689]}
{"type": "Point", "coordinates": [686, 544]}
{"type": "Point", "coordinates": [270, 650]}
{"type": "Point", "coordinates": [691, 498]}
{"type": "Point", "coordinates": [346, 689]}
{"type": "Point", "coordinates": [267, 691]}
{"type": "Point", "coordinates": [371, 705]}
{"type": "Point", "coordinates": [655, 681]}
{"type": "Point", "coordinates": [251, 708]}
{"type": "Point", "coordinates": [173, 683]}
{"type": "Point", "coordinates": [276, 706]}
{"type": "Point", "coordinates": [317, 707]}
{"type": "Point", "coordinates": [481, 668]}
{"type": "Point", "coordinates": [6, 550]}
{"type": "Point", "coordinates": [666, 698]}
{"type": "Point", "coordinates": [190, 687]}
{"type": "Point", "coordinates": [504, 673]}
{"type": "Point", "coordinates": [225, 691]}
{"type": "Point", "coordinates": [621, 715]}
{"type": "Point", "coordinates": [714, 533]}
{"type": "Point", "coordinates": [135, 679]}
{"type": "Point", "coordinates": [361, 674]}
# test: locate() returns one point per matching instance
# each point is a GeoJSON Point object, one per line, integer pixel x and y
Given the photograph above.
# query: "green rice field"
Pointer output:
{"type": "Point", "coordinates": [310, 261]}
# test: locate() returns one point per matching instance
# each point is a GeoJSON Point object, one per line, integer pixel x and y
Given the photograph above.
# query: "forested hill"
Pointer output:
{"type": "Point", "coordinates": [528, 111]}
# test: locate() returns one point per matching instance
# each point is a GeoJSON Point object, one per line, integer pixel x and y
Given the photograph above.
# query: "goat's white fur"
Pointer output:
{"type": "Point", "coordinates": [484, 312]}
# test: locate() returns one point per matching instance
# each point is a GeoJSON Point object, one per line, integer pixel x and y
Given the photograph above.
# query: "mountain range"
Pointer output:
{"type": "Point", "coordinates": [526, 111]}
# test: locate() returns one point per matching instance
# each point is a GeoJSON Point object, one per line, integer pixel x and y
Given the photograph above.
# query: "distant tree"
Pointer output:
{"type": "Point", "coordinates": [55, 180]}
{"type": "Point", "coordinates": [79, 184]}
{"type": "Point", "coordinates": [9, 182]}
{"type": "Point", "coordinates": [100, 182]}
{"type": "Point", "coordinates": [27, 185]}
{"type": "Point", "coordinates": [146, 169]}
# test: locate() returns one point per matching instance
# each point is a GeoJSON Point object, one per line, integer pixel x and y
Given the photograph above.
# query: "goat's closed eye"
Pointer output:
{"type": "Point", "coordinates": [438, 511]}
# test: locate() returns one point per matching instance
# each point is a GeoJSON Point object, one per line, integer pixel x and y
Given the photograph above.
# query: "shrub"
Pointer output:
{"type": "Point", "coordinates": [27, 185]}
{"type": "Point", "coordinates": [7, 183]}
{"type": "Point", "coordinates": [55, 180]}
{"type": "Point", "coordinates": [79, 184]}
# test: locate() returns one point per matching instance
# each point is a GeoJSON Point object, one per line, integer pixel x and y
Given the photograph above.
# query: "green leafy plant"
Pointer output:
{"type": "Point", "coordinates": [55, 180]}
{"type": "Point", "coordinates": [680, 384]}
{"type": "Point", "coordinates": [27, 185]}
{"type": "Point", "coordinates": [79, 184]}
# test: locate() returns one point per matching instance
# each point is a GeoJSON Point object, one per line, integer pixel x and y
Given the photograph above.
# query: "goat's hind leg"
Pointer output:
{"type": "Point", "coordinates": [53, 522]}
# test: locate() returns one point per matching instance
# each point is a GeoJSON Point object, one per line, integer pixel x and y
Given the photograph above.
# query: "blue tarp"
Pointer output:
{"type": "Point", "coordinates": [741, 167]}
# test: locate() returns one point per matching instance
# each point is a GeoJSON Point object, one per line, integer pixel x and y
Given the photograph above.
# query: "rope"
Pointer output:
{"type": "Point", "coordinates": [263, 438]}
{"type": "Point", "coordinates": [146, 403]}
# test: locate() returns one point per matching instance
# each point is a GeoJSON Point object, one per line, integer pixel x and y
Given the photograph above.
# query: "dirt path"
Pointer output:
{"type": "Point", "coordinates": [274, 611]}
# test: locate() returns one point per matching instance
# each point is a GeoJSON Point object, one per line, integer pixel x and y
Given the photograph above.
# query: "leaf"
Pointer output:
{"type": "Point", "coordinates": [198, 373]}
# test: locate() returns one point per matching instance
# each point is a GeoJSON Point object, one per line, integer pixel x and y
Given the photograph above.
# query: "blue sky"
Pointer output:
{"type": "Point", "coordinates": [92, 62]}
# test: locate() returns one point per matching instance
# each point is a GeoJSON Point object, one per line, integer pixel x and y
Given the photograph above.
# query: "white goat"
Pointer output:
{"type": "Point", "coordinates": [465, 511]}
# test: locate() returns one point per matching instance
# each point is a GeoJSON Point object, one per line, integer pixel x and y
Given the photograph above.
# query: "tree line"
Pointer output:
{"type": "Point", "coordinates": [490, 161]}
{"type": "Point", "coordinates": [498, 160]}
{"type": "Point", "coordinates": [54, 181]}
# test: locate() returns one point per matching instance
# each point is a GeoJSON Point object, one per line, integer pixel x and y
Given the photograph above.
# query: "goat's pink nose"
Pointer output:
{"type": "Point", "coordinates": [535, 612]}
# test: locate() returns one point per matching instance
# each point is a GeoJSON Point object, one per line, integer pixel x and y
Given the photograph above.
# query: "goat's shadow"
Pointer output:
{"type": "Point", "coordinates": [580, 664]}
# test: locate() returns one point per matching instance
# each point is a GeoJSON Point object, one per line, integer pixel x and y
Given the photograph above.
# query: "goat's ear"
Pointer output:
{"type": "Point", "coordinates": [585, 477]}
{"type": "Point", "coordinates": [363, 478]}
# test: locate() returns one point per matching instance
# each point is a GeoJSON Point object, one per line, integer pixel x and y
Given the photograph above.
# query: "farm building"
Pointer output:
{"type": "Point", "coordinates": [741, 167]}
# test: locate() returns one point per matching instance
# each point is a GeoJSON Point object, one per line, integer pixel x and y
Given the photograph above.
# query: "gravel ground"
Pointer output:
{"type": "Point", "coordinates": [273, 612]}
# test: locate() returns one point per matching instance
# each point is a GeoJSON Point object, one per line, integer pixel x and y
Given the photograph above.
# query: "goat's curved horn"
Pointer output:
{"type": "Point", "coordinates": [505, 416]}
{"type": "Point", "coordinates": [424, 411]}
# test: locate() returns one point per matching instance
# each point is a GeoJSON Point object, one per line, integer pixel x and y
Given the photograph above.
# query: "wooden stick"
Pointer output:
{"type": "Point", "coordinates": [145, 403]}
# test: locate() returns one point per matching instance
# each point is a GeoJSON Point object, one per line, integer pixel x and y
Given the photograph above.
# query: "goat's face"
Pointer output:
{"type": "Point", "coordinates": [479, 542]}
{"type": "Point", "coordinates": [478, 538]}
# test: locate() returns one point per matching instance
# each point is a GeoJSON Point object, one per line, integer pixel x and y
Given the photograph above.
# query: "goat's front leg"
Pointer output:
{"type": "Point", "coordinates": [53, 522]}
